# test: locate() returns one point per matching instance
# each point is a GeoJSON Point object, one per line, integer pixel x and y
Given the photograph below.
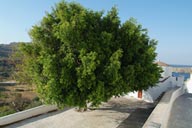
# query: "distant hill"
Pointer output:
{"type": "Point", "coordinates": [181, 68]}
{"type": "Point", "coordinates": [6, 49]}
{"type": "Point", "coordinates": [6, 65]}
{"type": "Point", "coordinates": [177, 67]}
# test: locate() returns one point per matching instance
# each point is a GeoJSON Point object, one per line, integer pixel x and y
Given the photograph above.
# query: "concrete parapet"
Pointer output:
{"type": "Point", "coordinates": [160, 115]}
{"type": "Point", "coordinates": [5, 120]}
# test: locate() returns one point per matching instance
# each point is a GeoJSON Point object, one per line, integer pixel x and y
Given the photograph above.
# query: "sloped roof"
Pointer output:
{"type": "Point", "coordinates": [160, 63]}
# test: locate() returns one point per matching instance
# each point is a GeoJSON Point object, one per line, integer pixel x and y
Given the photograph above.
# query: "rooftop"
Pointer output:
{"type": "Point", "coordinates": [160, 63]}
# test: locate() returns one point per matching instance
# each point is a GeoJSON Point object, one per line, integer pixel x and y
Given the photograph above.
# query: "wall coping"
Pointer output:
{"type": "Point", "coordinates": [156, 120]}
{"type": "Point", "coordinates": [12, 118]}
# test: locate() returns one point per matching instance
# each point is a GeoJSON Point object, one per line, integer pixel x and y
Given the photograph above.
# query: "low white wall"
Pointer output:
{"type": "Point", "coordinates": [174, 96]}
{"type": "Point", "coordinates": [132, 94]}
{"type": "Point", "coordinates": [165, 84]}
{"type": "Point", "coordinates": [5, 120]}
{"type": "Point", "coordinates": [189, 84]}
{"type": "Point", "coordinates": [178, 81]}
{"type": "Point", "coordinates": [167, 71]}
{"type": "Point", "coordinates": [153, 93]}
{"type": "Point", "coordinates": [156, 120]}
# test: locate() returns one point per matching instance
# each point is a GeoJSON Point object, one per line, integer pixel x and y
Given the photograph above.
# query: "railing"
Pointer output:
{"type": "Point", "coordinates": [161, 81]}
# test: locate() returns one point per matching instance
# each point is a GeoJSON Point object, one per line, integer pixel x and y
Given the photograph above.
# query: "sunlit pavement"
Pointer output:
{"type": "Point", "coordinates": [181, 113]}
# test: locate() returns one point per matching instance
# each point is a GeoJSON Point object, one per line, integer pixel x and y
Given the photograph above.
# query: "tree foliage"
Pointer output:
{"type": "Point", "coordinates": [79, 55]}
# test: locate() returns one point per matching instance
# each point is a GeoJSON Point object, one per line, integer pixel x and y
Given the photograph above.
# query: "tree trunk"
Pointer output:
{"type": "Point", "coordinates": [140, 94]}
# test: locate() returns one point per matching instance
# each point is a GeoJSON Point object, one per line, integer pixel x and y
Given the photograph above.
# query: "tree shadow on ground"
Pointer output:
{"type": "Point", "coordinates": [137, 113]}
{"type": "Point", "coordinates": [137, 118]}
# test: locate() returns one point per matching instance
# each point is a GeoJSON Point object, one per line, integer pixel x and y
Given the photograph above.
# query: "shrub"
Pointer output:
{"type": "Point", "coordinates": [6, 110]}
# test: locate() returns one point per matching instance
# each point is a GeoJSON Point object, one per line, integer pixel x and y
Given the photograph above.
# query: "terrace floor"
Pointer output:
{"type": "Point", "coordinates": [117, 113]}
{"type": "Point", "coordinates": [181, 113]}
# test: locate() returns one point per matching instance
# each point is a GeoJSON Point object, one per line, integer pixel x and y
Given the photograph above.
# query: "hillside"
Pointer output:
{"type": "Point", "coordinates": [6, 65]}
{"type": "Point", "coordinates": [181, 68]}
{"type": "Point", "coordinates": [14, 97]}
{"type": "Point", "coordinates": [6, 50]}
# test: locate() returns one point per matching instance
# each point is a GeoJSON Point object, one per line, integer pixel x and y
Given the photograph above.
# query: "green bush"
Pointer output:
{"type": "Point", "coordinates": [33, 104]}
{"type": "Point", "coordinates": [19, 103]}
{"type": "Point", "coordinates": [19, 90]}
{"type": "Point", "coordinates": [2, 89]}
{"type": "Point", "coordinates": [79, 56]}
{"type": "Point", "coordinates": [6, 110]}
{"type": "Point", "coordinates": [36, 99]}
{"type": "Point", "coordinates": [3, 95]}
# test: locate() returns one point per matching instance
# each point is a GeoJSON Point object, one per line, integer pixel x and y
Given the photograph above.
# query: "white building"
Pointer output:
{"type": "Point", "coordinates": [165, 83]}
{"type": "Point", "coordinates": [188, 84]}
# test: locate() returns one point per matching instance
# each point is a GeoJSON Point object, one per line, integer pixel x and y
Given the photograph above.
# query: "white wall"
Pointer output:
{"type": "Point", "coordinates": [163, 108]}
{"type": "Point", "coordinates": [132, 94]}
{"type": "Point", "coordinates": [178, 81]}
{"type": "Point", "coordinates": [26, 114]}
{"type": "Point", "coordinates": [153, 93]}
{"type": "Point", "coordinates": [167, 71]}
{"type": "Point", "coordinates": [165, 84]}
{"type": "Point", "coordinates": [188, 84]}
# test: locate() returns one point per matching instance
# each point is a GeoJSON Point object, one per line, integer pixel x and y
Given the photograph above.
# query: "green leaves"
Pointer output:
{"type": "Point", "coordinates": [112, 69]}
{"type": "Point", "coordinates": [86, 72]}
{"type": "Point", "coordinates": [79, 55]}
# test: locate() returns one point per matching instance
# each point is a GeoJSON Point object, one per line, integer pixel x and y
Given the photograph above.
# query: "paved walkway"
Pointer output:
{"type": "Point", "coordinates": [181, 113]}
{"type": "Point", "coordinates": [117, 113]}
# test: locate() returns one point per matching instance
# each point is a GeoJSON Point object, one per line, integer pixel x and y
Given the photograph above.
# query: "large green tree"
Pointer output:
{"type": "Point", "coordinates": [79, 55]}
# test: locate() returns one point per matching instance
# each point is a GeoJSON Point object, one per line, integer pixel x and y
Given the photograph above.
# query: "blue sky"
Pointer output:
{"type": "Point", "coordinates": [168, 21]}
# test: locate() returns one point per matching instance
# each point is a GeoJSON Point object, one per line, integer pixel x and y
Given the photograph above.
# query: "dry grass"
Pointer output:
{"type": "Point", "coordinates": [26, 91]}
{"type": "Point", "coordinates": [17, 97]}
